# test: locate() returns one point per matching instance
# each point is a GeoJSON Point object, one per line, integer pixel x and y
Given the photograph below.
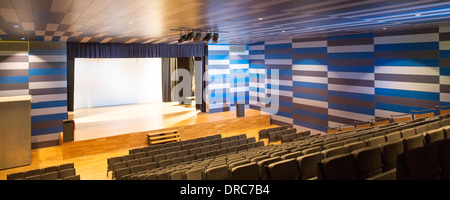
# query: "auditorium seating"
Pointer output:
{"type": "Point", "coordinates": [59, 172]}
{"type": "Point", "coordinates": [363, 153]}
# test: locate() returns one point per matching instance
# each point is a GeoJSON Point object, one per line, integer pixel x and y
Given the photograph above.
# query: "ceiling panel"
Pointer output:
{"type": "Point", "coordinates": [240, 21]}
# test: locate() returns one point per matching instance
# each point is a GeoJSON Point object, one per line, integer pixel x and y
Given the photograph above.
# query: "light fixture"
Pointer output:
{"type": "Point", "coordinates": [190, 36]}
{"type": "Point", "coordinates": [207, 37]}
{"type": "Point", "coordinates": [418, 15]}
{"type": "Point", "coordinates": [197, 37]}
{"type": "Point", "coordinates": [16, 26]}
{"type": "Point", "coordinates": [182, 38]}
{"type": "Point", "coordinates": [215, 37]}
{"type": "Point", "coordinates": [260, 18]}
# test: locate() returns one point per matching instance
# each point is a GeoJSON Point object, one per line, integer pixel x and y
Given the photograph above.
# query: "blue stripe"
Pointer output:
{"type": "Point", "coordinates": [322, 86]}
{"type": "Point", "coordinates": [239, 61]}
{"type": "Point", "coordinates": [407, 62]}
{"type": "Point", "coordinates": [13, 79]}
{"type": "Point", "coordinates": [219, 77]}
{"type": "Point", "coordinates": [311, 114]}
{"type": "Point", "coordinates": [257, 75]}
{"type": "Point", "coordinates": [309, 61]}
{"type": "Point", "coordinates": [286, 104]}
{"type": "Point", "coordinates": [257, 66]}
{"type": "Point", "coordinates": [444, 54]}
{"type": "Point", "coordinates": [353, 36]}
{"type": "Point", "coordinates": [356, 55]}
{"type": "Point", "coordinates": [52, 117]}
{"type": "Point", "coordinates": [344, 68]}
{"type": "Point", "coordinates": [285, 88]}
{"type": "Point", "coordinates": [218, 57]}
{"type": "Point", "coordinates": [54, 71]}
{"type": "Point", "coordinates": [279, 46]}
{"type": "Point", "coordinates": [444, 71]}
{"type": "Point", "coordinates": [257, 43]}
{"type": "Point", "coordinates": [311, 96]}
{"type": "Point", "coordinates": [396, 108]}
{"type": "Point", "coordinates": [355, 109]}
{"type": "Point", "coordinates": [408, 46]}
{"type": "Point", "coordinates": [284, 114]}
{"type": "Point", "coordinates": [239, 80]}
{"type": "Point", "coordinates": [445, 103]}
{"type": "Point", "coordinates": [350, 95]}
{"type": "Point", "coordinates": [278, 56]}
{"type": "Point", "coordinates": [256, 89]}
{"type": "Point", "coordinates": [49, 104]}
{"type": "Point", "coordinates": [43, 131]}
{"type": "Point", "coordinates": [256, 52]}
{"type": "Point", "coordinates": [407, 94]}
{"type": "Point", "coordinates": [310, 125]}
{"type": "Point", "coordinates": [310, 50]}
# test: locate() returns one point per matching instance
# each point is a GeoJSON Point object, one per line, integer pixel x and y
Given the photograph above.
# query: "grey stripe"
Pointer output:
{"type": "Point", "coordinates": [48, 78]}
{"type": "Point", "coordinates": [347, 42]}
{"type": "Point", "coordinates": [310, 73]}
{"type": "Point", "coordinates": [312, 120]}
{"type": "Point", "coordinates": [311, 108]}
{"type": "Point", "coordinates": [408, 78]}
{"type": "Point", "coordinates": [406, 101]}
{"type": "Point", "coordinates": [13, 86]}
{"type": "Point", "coordinates": [310, 91]}
{"type": "Point", "coordinates": [407, 32]}
{"type": "Point", "coordinates": [351, 102]}
{"type": "Point", "coordinates": [47, 65]}
{"type": "Point", "coordinates": [48, 91]}
{"type": "Point", "coordinates": [13, 58]}
{"type": "Point", "coordinates": [352, 82]}
{"type": "Point", "coordinates": [14, 72]}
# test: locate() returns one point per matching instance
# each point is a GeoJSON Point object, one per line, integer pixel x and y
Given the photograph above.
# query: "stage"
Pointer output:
{"type": "Point", "coordinates": [104, 129]}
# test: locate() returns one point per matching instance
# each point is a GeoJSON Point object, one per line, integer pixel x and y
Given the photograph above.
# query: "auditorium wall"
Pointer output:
{"type": "Point", "coordinates": [337, 80]}
{"type": "Point", "coordinates": [39, 72]}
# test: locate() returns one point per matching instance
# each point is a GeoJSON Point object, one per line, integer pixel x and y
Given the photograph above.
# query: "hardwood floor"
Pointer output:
{"type": "Point", "coordinates": [90, 155]}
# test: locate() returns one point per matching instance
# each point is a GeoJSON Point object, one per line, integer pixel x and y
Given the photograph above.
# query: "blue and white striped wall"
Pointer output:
{"type": "Point", "coordinates": [327, 82]}
{"type": "Point", "coordinates": [228, 78]}
{"type": "Point", "coordinates": [41, 73]}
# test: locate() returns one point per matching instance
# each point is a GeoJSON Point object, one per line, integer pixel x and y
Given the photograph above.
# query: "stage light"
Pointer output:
{"type": "Point", "coordinates": [197, 37]}
{"type": "Point", "coordinates": [182, 38]}
{"type": "Point", "coordinates": [215, 37]}
{"type": "Point", "coordinates": [207, 37]}
{"type": "Point", "coordinates": [190, 36]}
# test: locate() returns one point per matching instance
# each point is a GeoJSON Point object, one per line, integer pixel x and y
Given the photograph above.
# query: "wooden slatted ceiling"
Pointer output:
{"type": "Point", "coordinates": [143, 21]}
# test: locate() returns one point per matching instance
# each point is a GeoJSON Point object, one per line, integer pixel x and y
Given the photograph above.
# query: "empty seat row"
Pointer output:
{"type": "Point", "coordinates": [121, 168]}
{"type": "Point", "coordinates": [176, 152]}
{"type": "Point", "coordinates": [58, 172]}
{"type": "Point", "coordinates": [264, 133]}
{"type": "Point", "coordinates": [431, 162]}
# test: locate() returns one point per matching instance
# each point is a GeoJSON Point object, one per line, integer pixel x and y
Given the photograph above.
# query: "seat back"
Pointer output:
{"type": "Point", "coordinates": [389, 153]}
{"type": "Point", "coordinates": [434, 135]}
{"type": "Point", "coordinates": [284, 170]}
{"type": "Point", "coordinates": [308, 164]}
{"type": "Point", "coordinates": [368, 162]}
{"type": "Point", "coordinates": [334, 151]}
{"type": "Point", "coordinates": [197, 173]}
{"type": "Point", "coordinates": [354, 146]}
{"type": "Point", "coordinates": [413, 142]}
{"type": "Point", "coordinates": [408, 132]}
{"type": "Point", "coordinates": [217, 173]}
{"type": "Point", "coordinates": [390, 137]}
{"type": "Point", "coordinates": [262, 165]}
{"type": "Point", "coordinates": [419, 164]}
{"type": "Point", "coordinates": [247, 171]}
{"type": "Point", "coordinates": [340, 167]}
{"type": "Point", "coordinates": [421, 129]}
{"type": "Point", "coordinates": [375, 141]}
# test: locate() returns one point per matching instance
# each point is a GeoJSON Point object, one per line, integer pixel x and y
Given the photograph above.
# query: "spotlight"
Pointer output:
{"type": "Point", "coordinates": [182, 38]}
{"type": "Point", "coordinates": [197, 37]}
{"type": "Point", "coordinates": [207, 37]}
{"type": "Point", "coordinates": [190, 36]}
{"type": "Point", "coordinates": [215, 37]}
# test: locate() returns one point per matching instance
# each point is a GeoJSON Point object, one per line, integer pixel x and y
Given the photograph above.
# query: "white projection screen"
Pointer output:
{"type": "Point", "coordinates": [116, 81]}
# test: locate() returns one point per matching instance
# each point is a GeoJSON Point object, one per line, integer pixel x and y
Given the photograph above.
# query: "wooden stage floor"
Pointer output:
{"type": "Point", "coordinates": [103, 133]}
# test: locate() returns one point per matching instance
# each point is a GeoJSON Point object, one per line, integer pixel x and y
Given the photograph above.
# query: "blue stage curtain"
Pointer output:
{"type": "Point", "coordinates": [119, 50]}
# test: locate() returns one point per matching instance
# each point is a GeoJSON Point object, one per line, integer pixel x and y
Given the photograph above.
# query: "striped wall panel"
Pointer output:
{"type": "Point", "coordinates": [48, 87]}
{"type": "Point", "coordinates": [257, 76]}
{"type": "Point", "coordinates": [350, 79]}
{"type": "Point", "coordinates": [310, 84]}
{"type": "Point", "coordinates": [444, 64]}
{"type": "Point", "coordinates": [239, 78]}
{"type": "Point", "coordinates": [218, 70]}
{"type": "Point", "coordinates": [13, 73]}
{"type": "Point", "coordinates": [278, 65]}
{"type": "Point", "coordinates": [228, 74]}
{"type": "Point", "coordinates": [406, 71]}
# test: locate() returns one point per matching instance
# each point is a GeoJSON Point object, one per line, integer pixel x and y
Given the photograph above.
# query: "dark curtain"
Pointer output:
{"type": "Point", "coordinates": [119, 50]}
{"type": "Point", "coordinates": [166, 86]}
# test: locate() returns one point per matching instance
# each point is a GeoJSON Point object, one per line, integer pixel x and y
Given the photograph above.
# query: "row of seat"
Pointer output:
{"type": "Point", "coordinates": [181, 150]}
{"type": "Point", "coordinates": [59, 172]}
{"type": "Point", "coordinates": [264, 133]}
{"type": "Point", "coordinates": [144, 164]}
